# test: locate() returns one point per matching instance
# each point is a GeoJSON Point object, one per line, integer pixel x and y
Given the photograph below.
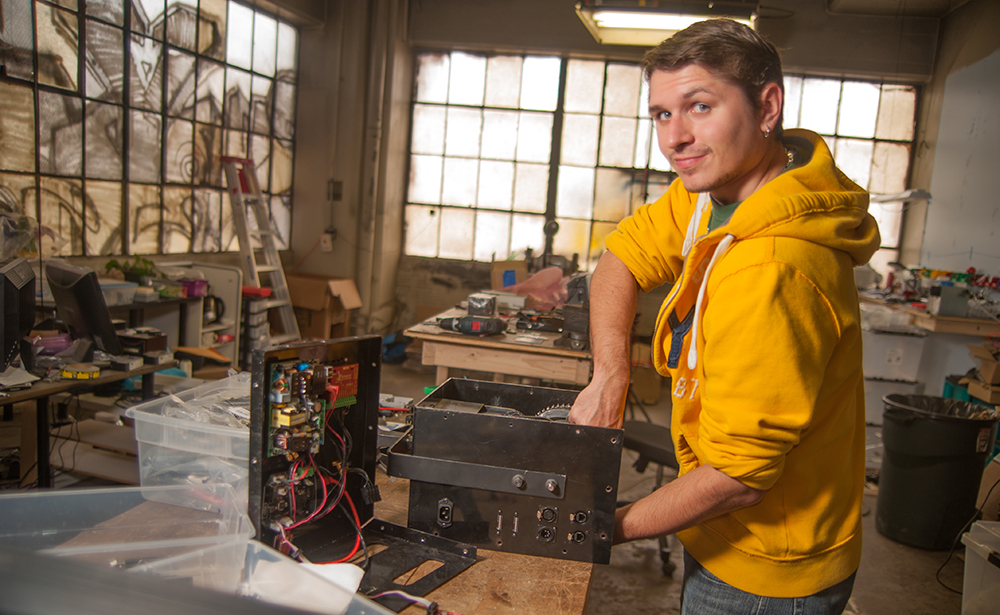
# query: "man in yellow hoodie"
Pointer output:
{"type": "Point", "coordinates": [760, 334]}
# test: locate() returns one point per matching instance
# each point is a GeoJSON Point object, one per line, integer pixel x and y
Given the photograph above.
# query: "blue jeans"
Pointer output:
{"type": "Point", "coordinates": [706, 594]}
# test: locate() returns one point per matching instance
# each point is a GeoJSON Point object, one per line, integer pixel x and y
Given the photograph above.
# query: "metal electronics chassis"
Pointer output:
{"type": "Point", "coordinates": [331, 538]}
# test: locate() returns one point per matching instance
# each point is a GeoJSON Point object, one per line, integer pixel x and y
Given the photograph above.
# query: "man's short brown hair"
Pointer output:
{"type": "Point", "coordinates": [726, 48]}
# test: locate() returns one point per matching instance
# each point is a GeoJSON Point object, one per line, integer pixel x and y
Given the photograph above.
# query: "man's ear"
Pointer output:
{"type": "Point", "coordinates": [772, 100]}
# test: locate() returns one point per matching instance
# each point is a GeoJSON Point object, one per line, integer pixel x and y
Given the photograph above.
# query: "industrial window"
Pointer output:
{"type": "Point", "coordinates": [116, 113]}
{"type": "Point", "coordinates": [501, 144]}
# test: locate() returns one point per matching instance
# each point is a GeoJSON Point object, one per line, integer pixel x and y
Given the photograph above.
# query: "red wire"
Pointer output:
{"type": "Point", "coordinates": [318, 508]}
{"type": "Point", "coordinates": [357, 539]}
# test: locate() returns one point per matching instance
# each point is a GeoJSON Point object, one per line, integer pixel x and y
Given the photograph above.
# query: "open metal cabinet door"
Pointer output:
{"type": "Point", "coordinates": [313, 449]}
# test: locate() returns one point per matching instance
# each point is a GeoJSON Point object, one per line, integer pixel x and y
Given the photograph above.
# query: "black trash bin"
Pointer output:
{"type": "Point", "coordinates": [934, 452]}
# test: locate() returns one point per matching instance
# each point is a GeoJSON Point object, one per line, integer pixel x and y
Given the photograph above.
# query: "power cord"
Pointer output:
{"type": "Point", "coordinates": [958, 537]}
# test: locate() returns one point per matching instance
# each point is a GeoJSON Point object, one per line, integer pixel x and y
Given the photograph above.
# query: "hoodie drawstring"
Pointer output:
{"type": "Point", "coordinates": [719, 251]}
{"type": "Point", "coordinates": [701, 205]}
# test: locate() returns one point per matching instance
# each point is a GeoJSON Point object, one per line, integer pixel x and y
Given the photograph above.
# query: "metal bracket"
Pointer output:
{"type": "Point", "coordinates": [473, 476]}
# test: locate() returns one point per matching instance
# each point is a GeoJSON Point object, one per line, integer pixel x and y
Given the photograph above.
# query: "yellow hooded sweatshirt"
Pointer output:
{"type": "Point", "coordinates": [761, 337]}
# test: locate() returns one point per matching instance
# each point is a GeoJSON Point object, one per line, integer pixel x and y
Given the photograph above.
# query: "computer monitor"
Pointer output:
{"type": "Point", "coordinates": [17, 296]}
{"type": "Point", "coordinates": [80, 303]}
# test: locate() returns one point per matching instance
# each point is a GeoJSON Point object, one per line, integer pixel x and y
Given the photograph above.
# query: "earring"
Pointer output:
{"type": "Point", "coordinates": [767, 132]}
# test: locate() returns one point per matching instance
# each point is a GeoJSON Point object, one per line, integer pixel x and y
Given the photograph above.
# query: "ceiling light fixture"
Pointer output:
{"type": "Point", "coordinates": [647, 23]}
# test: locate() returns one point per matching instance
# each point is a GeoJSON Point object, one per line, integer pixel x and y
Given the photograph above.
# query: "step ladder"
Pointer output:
{"type": "Point", "coordinates": [261, 263]}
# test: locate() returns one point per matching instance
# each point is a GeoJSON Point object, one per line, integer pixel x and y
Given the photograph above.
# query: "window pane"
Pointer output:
{"type": "Point", "coordinates": [108, 10]}
{"type": "Point", "coordinates": [104, 140]}
{"type": "Point", "coordinates": [496, 184]}
{"type": "Point", "coordinates": [287, 63]}
{"type": "Point", "coordinates": [896, 113]}
{"type": "Point", "coordinates": [432, 77]}
{"type": "Point", "coordinates": [17, 127]}
{"type": "Point", "coordinates": [104, 218]}
{"type": "Point", "coordinates": [460, 179]}
{"type": "Point", "coordinates": [206, 221]}
{"type": "Point", "coordinates": [456, 233]}
{"type": "Point", "coordinates": [146, 70]}
{"type": "Point", "coordinates": [644, 99]}
{"type": "Point", "coordinates": [180, 84]}
{"type": "Point", "coordinates": [657, 160]}
{"type": "Point", "coordinates": [854, 158]}
{"type": "Point", "coordinates": [573, 238]}
{"type": "Point", "coordinates": [462, 136]}
{"type": "Point", "coordinates": [147, 17]}
{"type": "Point", "coordinates": [237, 105]}
{"type": "Point", "coordinates": [527, 231]}
{"type": "Point", "coordinates": [421, 230]}
{"type": "Point", "coordinates": [492, 235]}
{"type": "Point", "coordinates": [531, 187]}
{"type": "Point", "coordinates": [104, 62]}
{"type": "Point", "coordinates": [265, 41]}
{"type": "Point", "coordinates": [540, 83]}
{"type": "Point", "coordinates": [62, 211]}
{"type": "Point", "coordinates": [618, 141]}
{"type": "Point", "coordinates": [239, 39]}
{"type": "Point", "coordinates": [621, 94]}
{"type": "Point", "coordinates": [579, 139]}
{"type": "Point", "coordinates": [598, 234]}
{"type": "Point", "coordinates": [793, 102]}
{"type": "Point", "coordinates": [428, 130]}
{"type": "Point", "coordinates": [144, 147]}
{"type": "Point", "coordinates": [182, 23]}
{"type": "Point", "coordinates": [60, 138]}
{"type": "Point", "coordinates": [284, 109]}
{"type": "Point", "coordinates": [144, 219]}
{"type": "Point", "coordinates": [534, 137]}
{"type": "Point", "coordinates": [260, 105]}
{"type": "Point", "coordinates": [820, 98]}
{"type": "Point", "coordinates": [575, 195]}
{"type": "Point", "coordinates": [890, 165]}
{"type": "Point", "coordinates": [583, 86]}
{"type": "Point", "coordinates": [212, 31]}
{"type": "Point", "coordinates": [260, 153]}
{"type": "Point", "coordinates": [281, 221]}
{"type": "Point", "coordinates": [281, 167]}
{"type": "Point", "coordinates": [503, 81]}
{"type": "Point", "coordinates": [58, 40]}
{"type": "Point", "coordinates": [177, 208]}
{"type": "Point", "coordinates": [888, 216]}
{"type": "Point", "coordinates": [19, 33]}
{"type": "Point", "coordinates": [611, 197]}
{"type": "Point", "coordinates": [858, 108]}
{"type": "Point", "coordinates": [207, 152]}
{"type": "Point", "coordinates": [425, 179]}
{"type": "Point", "coordinates": [211, 91]}
{"type": "Point", "coordinates": [17, 192]}
{"type": "Point", "coordinates": [468, 79]}
{"type": "Point", "coordinates": [642, 143]}
{"type": "Point", "coordinates": [180, 151]}
{"type": "Point", "coordinates": [499, 134]}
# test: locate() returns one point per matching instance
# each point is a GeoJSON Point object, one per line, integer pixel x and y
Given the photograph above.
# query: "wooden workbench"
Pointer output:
{"type": "Point", "coordinates": [500, 354]}
{"type": "Point", "coordinates": [498, 583]}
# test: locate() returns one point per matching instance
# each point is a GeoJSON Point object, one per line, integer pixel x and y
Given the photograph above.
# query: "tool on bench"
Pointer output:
{"type": "Point", "coordinates": [473, 325]}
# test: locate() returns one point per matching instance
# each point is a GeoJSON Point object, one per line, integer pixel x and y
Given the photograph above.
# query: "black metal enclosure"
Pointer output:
{"type": "Point", "coordinates": [496, 465]}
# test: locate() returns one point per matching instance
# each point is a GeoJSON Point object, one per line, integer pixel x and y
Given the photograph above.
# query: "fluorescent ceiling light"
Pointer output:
{"type": "Point", "coordinates": [647, 27]}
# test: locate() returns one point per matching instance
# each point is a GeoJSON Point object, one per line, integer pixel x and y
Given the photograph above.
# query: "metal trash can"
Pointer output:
{"type": "Point", "coordinates": [934, 452]}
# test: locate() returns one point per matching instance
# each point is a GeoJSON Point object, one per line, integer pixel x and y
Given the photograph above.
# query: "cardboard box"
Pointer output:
{"type": "Point", "coordinates": [508, 273]}
{"type": "Point", "coordinates": [986, 392]}
{"type": "Point", "coordinates": [322, 305]}
{"type": "Point", "coordinates": [989, 367]}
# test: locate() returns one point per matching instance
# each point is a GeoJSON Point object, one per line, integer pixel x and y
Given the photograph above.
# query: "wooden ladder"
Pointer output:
{"type": "Point", "coordinates": [261, 263]}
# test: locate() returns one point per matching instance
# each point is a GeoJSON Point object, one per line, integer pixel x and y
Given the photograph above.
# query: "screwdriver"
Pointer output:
{"type": "Point", "coordinates": [473, 325]}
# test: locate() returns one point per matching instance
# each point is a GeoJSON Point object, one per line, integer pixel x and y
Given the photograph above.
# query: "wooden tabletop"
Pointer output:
{"type": "Point", "coordinates": [498, 583]}
{"type": "Point", "coordinates": [43, 388]}
{"type": "Point", "coordinates": [428, 330]}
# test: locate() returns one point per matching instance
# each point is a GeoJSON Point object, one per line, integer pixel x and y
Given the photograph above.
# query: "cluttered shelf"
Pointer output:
{"type": "Point", "coordinates": [935, 323]}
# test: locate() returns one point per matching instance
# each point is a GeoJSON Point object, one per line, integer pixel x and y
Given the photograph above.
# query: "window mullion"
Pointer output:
{"type": "Point", "coordinates": [554, 156]}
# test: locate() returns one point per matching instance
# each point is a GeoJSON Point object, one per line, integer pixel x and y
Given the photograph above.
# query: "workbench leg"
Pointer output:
{"type": "Point", "coordinates": [42, 442]}
{"type": "Point", "coordinates": [442, 374]}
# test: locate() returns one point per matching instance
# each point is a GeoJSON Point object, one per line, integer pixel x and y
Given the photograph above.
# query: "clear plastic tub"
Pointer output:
{"type": "Point", "coordinates": [262, 573]}
{"type": "Point", "coordinates": [117, 292]}
{"type": "Point", "coordinates": [123, 527]}
{"type": "Point", "coordinates": [981, 588]}
{"type": "Point", "coordinates": [181, 445]}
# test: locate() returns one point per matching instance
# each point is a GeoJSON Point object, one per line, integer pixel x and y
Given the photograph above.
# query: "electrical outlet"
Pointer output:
{"type": "Point", "coordinates": [326, 243]}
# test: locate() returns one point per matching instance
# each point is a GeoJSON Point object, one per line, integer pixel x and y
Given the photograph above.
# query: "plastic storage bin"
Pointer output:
{"type": "Point", "coordinates": [261, 572]}
{"type": "Point", "coordinates": [180, 444]}
{"type": "Point", "coordinates": [981, 588]}
{"type": "Point", "coordinates": [117, 292]}
{"type": "Point", "coordinates": [124, 526]}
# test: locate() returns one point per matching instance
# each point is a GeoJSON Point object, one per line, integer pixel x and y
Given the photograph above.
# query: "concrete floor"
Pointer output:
{"type": "Point", "coordinates": [893, 578]}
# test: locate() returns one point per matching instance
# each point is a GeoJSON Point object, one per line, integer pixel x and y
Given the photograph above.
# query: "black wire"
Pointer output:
{"type": "Point", "coordinates": [361, 536]}
{"type": "Point", "coordinates": [958, 537]}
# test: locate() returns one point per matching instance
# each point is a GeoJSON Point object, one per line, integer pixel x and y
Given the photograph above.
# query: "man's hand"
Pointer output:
{"type": "Point", "coordinates": [602, 403]}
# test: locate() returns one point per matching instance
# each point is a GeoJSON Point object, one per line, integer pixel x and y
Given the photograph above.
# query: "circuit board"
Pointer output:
{"type": "Point", "coordinates": [313, 408]}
